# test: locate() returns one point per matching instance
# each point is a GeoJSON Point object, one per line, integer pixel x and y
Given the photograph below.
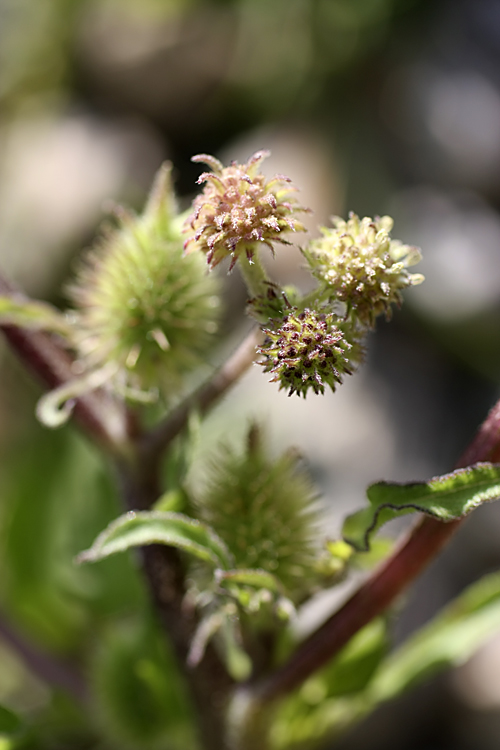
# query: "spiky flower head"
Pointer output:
{"type": "Point", "coordinates": [308, 350]}
{"type": "Point", "coordinates": [239, 209]}
{"type": "Point", "coordinates": [362, 266]}
{"type": "Point", "coordinates": [142, 306]}
{"type": "Point", "coordinates": [265, 511]}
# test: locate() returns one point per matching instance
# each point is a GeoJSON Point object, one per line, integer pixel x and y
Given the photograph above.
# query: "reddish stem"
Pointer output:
{"type": "Point", "coordinates": [422, 544]}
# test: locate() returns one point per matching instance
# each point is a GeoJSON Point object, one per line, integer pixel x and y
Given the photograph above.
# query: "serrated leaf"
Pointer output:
{"type": "Point", "coordinates": [9, 722]}
{"type": "Point", "coordinates": [450, 639]}
{"type": "Point", "coordinates": [140, 528]}
{"type": "Point", "coordinates": [447, 498]}
{"type": "Point", "coordinates": [33, 315]}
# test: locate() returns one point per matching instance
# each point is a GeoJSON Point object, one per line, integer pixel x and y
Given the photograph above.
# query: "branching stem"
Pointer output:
{"type": "Point", "coordinates": [422, 544]}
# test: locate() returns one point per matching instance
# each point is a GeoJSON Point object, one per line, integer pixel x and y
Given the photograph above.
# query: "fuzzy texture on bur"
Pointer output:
{"type": "Point", "coordinates": [362, 266]}
{"type": "Point", "coordinates": [264, 510]}
{"type": "Point", "coordinates": [308, 350]}
{"type": "Point", "coordinates": [141, 303]}
{"type": "Point", "coordinates": [239, 209]}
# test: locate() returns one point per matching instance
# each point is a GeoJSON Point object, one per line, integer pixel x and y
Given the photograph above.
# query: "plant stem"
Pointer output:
{"type": "Point", "coordinates": [422, 544]}
{"type": "Point", "coordinates": [101, 416]}
{"type": "Point", "coordinates": [254, 275]}
{"type": "Point", "coordinates": [209, 683]}
{"type": "Point", "coordinates": [48, 668]}
{"type": "Point", "coordinates": [202, 400]}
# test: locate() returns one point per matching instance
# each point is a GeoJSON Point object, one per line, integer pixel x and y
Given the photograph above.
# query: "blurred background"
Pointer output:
{"type": "Point", "coordinates": [376, 106]}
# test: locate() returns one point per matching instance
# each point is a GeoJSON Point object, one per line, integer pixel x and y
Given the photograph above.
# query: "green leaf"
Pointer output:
{"type": "Point", "coordinates": [450, 639]}
{"type": "Point", "coordinates": [257, 578]}
{"type": "Point", "coordinates": [33, 315]}
{"type": "Point", "coordinates": [140, 528]}
{"type": "Point", "coordinates": [447, 498]}
{"type": "Point", "coordinates": [9, 722]}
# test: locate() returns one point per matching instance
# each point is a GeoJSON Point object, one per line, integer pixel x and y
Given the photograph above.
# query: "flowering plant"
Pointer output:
{"type": "Point", "coordinates": [210, 659]}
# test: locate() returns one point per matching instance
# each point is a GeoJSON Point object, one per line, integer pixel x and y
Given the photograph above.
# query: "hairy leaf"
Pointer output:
{"type": "Point", "coordinates": [447, 498]}
{"type": "Point", "coordinates": [139, 528]}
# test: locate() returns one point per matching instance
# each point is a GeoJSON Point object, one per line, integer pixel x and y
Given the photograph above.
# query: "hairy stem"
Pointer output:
{"type": "Point", "coordinates": [208, 682]}
{"type": "Point", "coordinates": [422, 544]}
{"type": "Point", "coordinates": [254, 275]}
{"type": "Point", "coordinates": [100, 415]}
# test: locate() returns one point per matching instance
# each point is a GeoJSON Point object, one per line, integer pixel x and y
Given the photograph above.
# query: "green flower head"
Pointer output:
{"type": "Point", "coordinates": [265, 511]}
{"type": "Point", "coordinates": [307, 350]}
{"type": "Point", "coordinates": [142, 306]}
{"type": "Point", "coordinates": [362, 266]}
{"type": "Point", "coordinates": [239, 209]}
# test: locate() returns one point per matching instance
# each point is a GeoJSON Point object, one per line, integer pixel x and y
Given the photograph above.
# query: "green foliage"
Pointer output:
{"type": "Point", "coordinates": [448, 640]}
{"type": "Point", "coordinates": [327, 701]}
{"type": "Point", "coordinates": [139, 698]}
{"type": "Point", "coordinates": [447, 498]}
{"type": "Point", "coordinates": [10, 723]}
{"type": "Point", "coordinates": [56, 498]}
{"type": "Point", "coordinates": [139, 528]}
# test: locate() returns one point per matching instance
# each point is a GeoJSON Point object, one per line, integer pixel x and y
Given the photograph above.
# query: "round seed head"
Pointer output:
{"type": "Point", "coordinates": [308, 350]}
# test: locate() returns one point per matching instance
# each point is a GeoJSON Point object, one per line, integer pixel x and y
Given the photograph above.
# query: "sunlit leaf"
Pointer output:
{"type": "Point", "coordinates": [140, 528]}
{"type": "Point", "coordinates": [447, 498]}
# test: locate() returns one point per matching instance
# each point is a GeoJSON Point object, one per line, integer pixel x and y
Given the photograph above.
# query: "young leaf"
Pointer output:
{"type": "Point", "coordinates": [450, 639]}
{"type": "Point", "coordinates": [447, 498]}
{"type": "Point", "coordinates": [257, 578]}
{"type": "Point", "coordinates": [139, 528]}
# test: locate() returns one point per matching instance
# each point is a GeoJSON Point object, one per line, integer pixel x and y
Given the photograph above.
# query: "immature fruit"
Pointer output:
{"type": "Point", "coordinates": [307, 350]}
{"type": "Point", "coordinates": [264, 509]}
{"type": "Point", "coordinates": [141, 304]}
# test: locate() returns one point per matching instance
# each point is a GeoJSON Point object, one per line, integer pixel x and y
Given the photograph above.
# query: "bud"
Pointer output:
{"type": "Point", "coordinates": [362, 266]}
{"type": "Point", "coordinates": [239, 209]}
{"type": "Point", "coordinates": [142, 306]}
{"type": "Point", "coordinates": [264, 510]}
{"type": "Point", "coordinates": [308, 350]}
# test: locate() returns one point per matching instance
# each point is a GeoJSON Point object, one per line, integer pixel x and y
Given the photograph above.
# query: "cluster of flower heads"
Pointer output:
{"type": "Point", "coordinates": [239, 209]}
{"type": "Point", "coordinates": [360, 271]}
{"type": "Point", "coordinates": [146, 309]}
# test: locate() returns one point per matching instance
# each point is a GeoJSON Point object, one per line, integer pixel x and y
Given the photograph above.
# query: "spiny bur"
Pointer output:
{"type": "Point", "coordinates": [141, 303]}
{"type": "Point", "coordinates": [265, 511]}
{"type": "Point", "coordinates": [307, 350]}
